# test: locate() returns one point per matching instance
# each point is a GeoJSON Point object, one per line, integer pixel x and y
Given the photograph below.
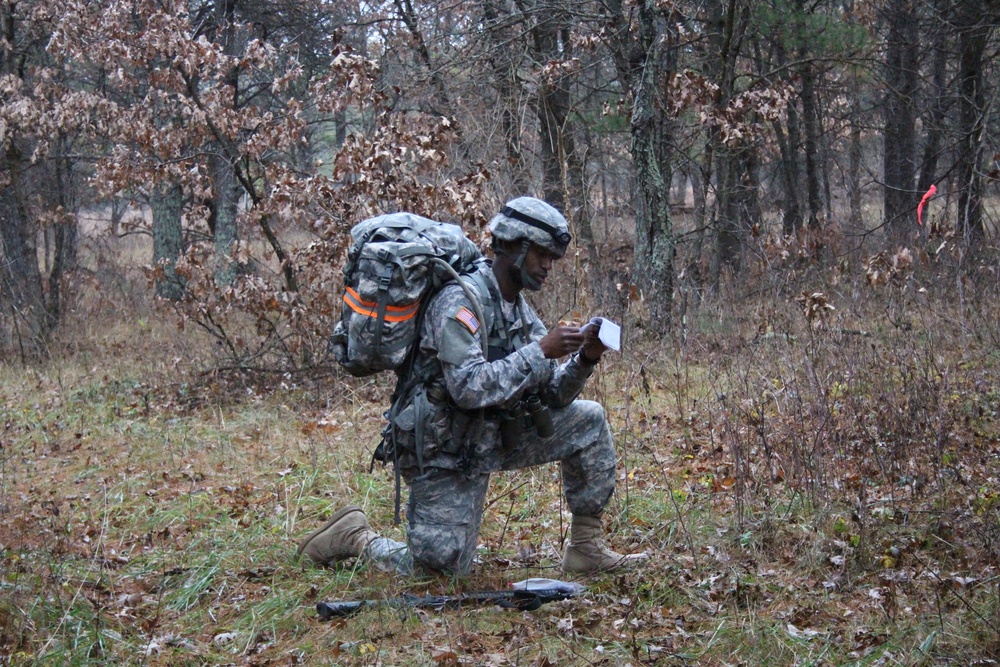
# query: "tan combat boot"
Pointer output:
{"type": "Point", "coordinates": [344, 536]}
{"type": "Point", "coordinates": [586, 551]}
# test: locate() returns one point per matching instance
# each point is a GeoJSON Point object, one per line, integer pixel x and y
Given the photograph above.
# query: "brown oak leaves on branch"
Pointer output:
{"type": "Point", "coordinates": [175, 101]}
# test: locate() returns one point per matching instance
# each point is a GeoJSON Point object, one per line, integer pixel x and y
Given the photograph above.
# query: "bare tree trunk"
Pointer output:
{"type": "Point", "coordinates": [937, 96]}
{"type": "Point", "coordinates": [791, 219]}
{"type": "Point", "coordinates": [899, 158]}
{"type": "Point", "coordinates": [24, 309]}
{"type": "Point", "coordinates": [974, 30]}
{"type": "Point", "coordinates": [556, 142]}
{"type": "Point", "coordinates": [644, 58]}
{"type": "Point", "coordinates": [854, 177]}
{"type": "Point", "coordinates": [563, 180]}
{"type": "Point", "coordinates": [825, 158]}
{"type": "Point", "coordinates": [119, 207]}
{"type": "Point", "coordinates": [699, 193]}
{"type": "Point", "coordinates": [655, 243]}
{"type": "Point", "coordinates": [225, 189]}
{"type": "Point", "coordinates": [225, 203]}
{"type": "Point", "coordinates": [66, 235]}
{"type": "Point", "coordinates": [789, 140]}
{"type": "Point", "coordinates": [20, 271]}
{"type": "Point", "coordinates": [810, 117]}
{"type": "Point", "coordinates": [168, 241]}
{"type": "Point", "coordinates": [728, 239]}
{"type": "Point", "coordinates": [726, 29]}
{"type": "Point", "coordinates": [504, 72]}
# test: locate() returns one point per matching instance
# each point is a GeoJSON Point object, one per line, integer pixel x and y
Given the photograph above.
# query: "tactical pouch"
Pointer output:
{"type": "Point", "coordinates": [417, 429]}
{"type": "Point", "coordinates": [419, 426]}
{"type": "Point", "coordinates": [511, 431]}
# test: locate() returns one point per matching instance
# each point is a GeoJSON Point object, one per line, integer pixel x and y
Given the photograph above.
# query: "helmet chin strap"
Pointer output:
{"type": "Point", "coordinates": [527, 281]}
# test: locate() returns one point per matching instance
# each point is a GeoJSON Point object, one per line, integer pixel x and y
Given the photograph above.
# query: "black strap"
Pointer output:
{"type": "Point", "coordinates": [560, 237]}
{"type": "Point", "coordinates": [384, 282]}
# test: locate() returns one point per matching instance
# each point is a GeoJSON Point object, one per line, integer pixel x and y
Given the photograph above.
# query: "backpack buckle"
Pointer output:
{"type": "Point", "coordinates": [385, 278]}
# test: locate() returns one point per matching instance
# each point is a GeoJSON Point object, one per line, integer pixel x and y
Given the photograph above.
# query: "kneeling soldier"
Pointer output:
{"type": "Point", "coordinates": [514, 408]}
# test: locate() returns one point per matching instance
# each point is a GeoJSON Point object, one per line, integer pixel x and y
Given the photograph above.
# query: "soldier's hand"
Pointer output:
{"type": "Point", "coordinates": [561, 341]}
{"type": "Point", "coordinates": [592, 347]}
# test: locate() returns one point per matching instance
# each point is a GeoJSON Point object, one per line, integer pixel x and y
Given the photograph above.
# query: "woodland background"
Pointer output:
{"type": "Point", "coordinates": [805, 409]}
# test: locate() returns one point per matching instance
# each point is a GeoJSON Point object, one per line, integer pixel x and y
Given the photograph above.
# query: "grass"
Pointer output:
{"type": "Point", "coordinates": [807, 497]}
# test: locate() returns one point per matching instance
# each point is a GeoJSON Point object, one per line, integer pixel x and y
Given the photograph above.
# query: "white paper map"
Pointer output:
{"type": "Point", "coordinates": [610, 333]}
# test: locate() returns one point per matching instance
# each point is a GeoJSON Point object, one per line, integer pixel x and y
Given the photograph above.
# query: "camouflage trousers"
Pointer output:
{"type": "Point", "coordinates": [445, 507]}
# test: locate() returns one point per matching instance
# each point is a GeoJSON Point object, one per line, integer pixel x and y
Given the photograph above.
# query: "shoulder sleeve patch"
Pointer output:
{"type": "Point", "coordinates": [468, 318]}
{"type": "Point", "coordinates": [455, 343]}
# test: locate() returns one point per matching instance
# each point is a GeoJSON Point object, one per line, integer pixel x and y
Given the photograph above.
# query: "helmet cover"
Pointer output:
{"type": "Point", "coordinates": [532, 219]}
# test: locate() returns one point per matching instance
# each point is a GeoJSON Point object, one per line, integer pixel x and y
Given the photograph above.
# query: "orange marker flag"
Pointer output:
{"type": "Point", "coordinates": [923, 200]}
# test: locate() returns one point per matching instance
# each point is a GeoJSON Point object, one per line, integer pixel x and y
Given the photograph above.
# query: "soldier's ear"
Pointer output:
{"type": "Point", "coordinates": [501, 247]}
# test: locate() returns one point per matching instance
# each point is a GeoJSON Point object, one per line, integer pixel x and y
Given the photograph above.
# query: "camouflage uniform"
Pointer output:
{"type": "Point", "coordinates": [448, 482]}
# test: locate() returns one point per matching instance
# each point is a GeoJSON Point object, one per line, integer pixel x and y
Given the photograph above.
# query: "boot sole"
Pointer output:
{"type": "Point", "coordinates": [337, 516]}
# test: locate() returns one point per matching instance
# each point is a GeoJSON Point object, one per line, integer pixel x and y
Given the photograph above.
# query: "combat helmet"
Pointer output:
{"type": "Point", "coordinates": [532, 220]}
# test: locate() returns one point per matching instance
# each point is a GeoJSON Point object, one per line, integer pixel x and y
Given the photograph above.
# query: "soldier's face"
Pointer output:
{"type": "Point", "coordinates": [538, 262]}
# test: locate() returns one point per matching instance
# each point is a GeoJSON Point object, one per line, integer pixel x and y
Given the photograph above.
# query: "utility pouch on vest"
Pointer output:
{"type": "Point", "coordinates": [418, 428]}
{"type": "Point", "coordinates": [419, 425]}
{"type": "Point", "coordinates": [511, 431]}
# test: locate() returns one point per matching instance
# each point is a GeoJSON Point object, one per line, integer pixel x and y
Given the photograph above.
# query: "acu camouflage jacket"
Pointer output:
{"type": "Point", "coordinates": [460, 382]}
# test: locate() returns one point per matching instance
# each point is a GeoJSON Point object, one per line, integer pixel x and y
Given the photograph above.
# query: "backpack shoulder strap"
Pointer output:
{"type": "Point", "coordinates": [490, 295]}
{"type": "Point", "coordinates": [484, 295]}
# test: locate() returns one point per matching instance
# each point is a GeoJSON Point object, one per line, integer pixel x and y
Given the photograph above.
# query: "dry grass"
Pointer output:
{"type": "Point", "coordinates": [809, 495]}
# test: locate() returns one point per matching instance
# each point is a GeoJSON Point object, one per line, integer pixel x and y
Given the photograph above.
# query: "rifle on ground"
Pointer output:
{"type": "Point", "coordinates": [525, 595]}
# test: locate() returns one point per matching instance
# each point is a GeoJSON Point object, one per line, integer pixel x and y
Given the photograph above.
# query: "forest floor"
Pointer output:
{"type": "Point", "coordinates": [808, 494]}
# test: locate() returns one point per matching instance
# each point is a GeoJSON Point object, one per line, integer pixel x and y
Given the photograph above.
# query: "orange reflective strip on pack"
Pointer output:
{"type": "Point", "coordinates": [370, 308]}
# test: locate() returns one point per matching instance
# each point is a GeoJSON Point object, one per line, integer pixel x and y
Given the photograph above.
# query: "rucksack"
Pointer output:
{"type": "Point", "coordinates": [396, 262]}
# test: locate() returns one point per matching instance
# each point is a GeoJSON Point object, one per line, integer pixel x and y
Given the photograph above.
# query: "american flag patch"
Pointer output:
{"type": "Point", "coordinates": [466, 317]}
